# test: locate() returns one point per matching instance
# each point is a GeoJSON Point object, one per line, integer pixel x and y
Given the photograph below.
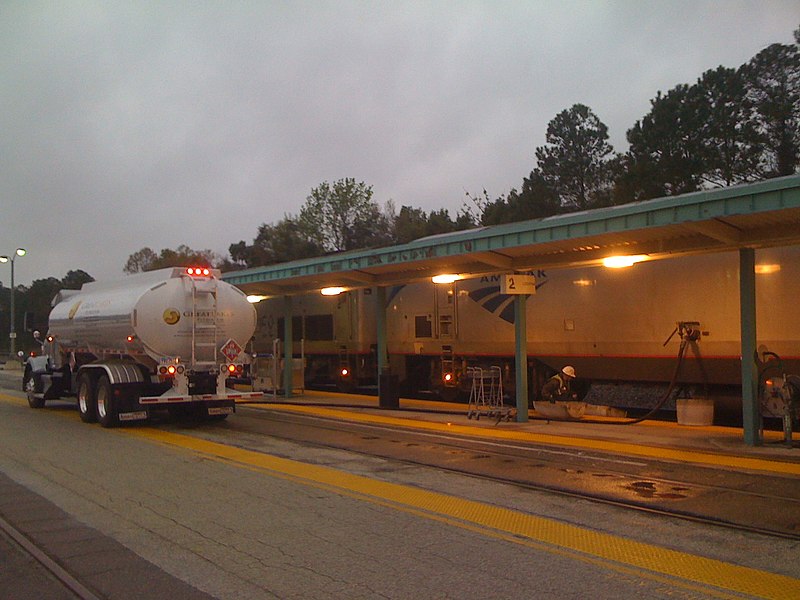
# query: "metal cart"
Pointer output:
{"type": "Point", "coordinates": [486, 394]}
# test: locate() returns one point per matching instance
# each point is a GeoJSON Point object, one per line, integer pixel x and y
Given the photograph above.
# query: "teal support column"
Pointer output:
{"type": "Point", "coordinates": [388, 395]}
{"type": "Point", "coordinates": [521, 356]}
{"type": "Point", "coordinates": [380, 323]}
{"type": "Point", "coordinates": [287, 346]}
{"type": "Point", "coordinates": [751, 414]}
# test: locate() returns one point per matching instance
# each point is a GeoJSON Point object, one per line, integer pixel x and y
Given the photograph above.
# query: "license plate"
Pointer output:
{"type": "Point", "coordinates": [139, 415]}
{"type": "Point", "coordinates": [222, 410]}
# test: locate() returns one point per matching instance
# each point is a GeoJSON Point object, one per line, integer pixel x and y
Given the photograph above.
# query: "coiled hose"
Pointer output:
{"type": "Point", "coordinates": [673, 382]}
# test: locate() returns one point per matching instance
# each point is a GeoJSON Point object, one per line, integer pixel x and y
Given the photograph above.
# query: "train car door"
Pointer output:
{"type": "Point", "coordinates": [445, 311]}
{"type": "Point", "coordinates": [343, 317]}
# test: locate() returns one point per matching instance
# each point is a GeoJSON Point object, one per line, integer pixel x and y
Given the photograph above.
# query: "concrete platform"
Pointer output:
{"type": "Point", "coordinates": [92, 564]}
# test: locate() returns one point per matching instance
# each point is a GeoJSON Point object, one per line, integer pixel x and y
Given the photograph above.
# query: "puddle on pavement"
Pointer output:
{"type": "Point", "coordinates": [653, 490]}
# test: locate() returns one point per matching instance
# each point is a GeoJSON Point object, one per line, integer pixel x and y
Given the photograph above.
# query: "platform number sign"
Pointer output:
{"type": "Point", "coordinates": [518, 283]}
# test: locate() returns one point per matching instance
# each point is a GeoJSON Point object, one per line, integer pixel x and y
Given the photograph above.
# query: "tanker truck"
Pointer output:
{"type": "Point", "coordinates": [166, 339]}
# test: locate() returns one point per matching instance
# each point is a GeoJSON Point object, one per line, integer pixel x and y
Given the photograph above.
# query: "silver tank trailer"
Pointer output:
{"type": "Point", "coordinates": [164, 338]}
{"type": "Point", "coordinates": [151, 314]}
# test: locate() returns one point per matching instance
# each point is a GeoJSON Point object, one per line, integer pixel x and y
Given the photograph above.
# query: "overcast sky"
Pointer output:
{"type": "Point", "coordinates": [132, 124]}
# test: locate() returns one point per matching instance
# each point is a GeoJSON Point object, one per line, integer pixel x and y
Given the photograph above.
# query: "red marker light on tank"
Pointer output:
{"type": "Point", "coordinates": [130, 338]}
{"type": "Point", "coordinates": [345, 372]}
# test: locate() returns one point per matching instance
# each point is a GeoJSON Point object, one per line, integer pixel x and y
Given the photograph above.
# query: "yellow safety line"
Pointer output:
{"type": "Point", "coordinates": [690, 456]}
{"type": "Point", "coordinates": [511, 525]}
{"type": "Point", "coordinates": [437, 406]}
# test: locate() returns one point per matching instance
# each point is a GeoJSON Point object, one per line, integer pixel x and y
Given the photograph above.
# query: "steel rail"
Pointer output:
{"type": "Point", "coordinates": [461, 443]}
{"type": "Point", "coordinates": [44, 559]}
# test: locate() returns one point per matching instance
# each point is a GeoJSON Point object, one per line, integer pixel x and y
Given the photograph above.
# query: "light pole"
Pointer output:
{"type": "Point", "coordinates": [12, 334]}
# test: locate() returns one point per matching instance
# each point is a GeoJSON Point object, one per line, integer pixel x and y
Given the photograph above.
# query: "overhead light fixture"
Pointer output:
{"type": "Point", "coordinates": [620, 262]}
{"type": "Point", "coordinates": [767, 269]}
{"type": "Point", "coordinates": [332, 291]}
{"type": "Point", "coordinates": [255, 298]}
{"type": "Point", "coordinates": [446, 278]}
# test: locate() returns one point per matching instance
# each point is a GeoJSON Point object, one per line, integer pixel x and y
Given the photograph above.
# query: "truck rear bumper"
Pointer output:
{"type": "Point", "coordinates": [167, 398]}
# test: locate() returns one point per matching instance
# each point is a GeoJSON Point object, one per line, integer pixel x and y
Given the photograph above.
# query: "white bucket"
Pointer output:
{"type": "Point", "coordinates": [695, 411]}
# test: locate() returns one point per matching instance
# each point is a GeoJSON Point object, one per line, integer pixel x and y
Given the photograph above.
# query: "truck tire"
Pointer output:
{"type": "Point", "coordinates": [107, 411]}
{"type": "Point", "coordinates": [87, 401]}
{"type": "Point", "coordinates": [29, 387]}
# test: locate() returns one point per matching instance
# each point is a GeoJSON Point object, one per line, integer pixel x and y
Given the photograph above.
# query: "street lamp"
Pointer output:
{"type": "Point", "coordinates": [12, 335]}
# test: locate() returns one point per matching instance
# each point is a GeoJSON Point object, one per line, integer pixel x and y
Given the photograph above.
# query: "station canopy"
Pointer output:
{"type": "Point", "coordinates": [757, 215]}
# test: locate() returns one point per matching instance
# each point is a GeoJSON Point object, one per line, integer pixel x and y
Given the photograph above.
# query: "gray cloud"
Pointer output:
{"type": "Point", "coordinates": [164, 123]}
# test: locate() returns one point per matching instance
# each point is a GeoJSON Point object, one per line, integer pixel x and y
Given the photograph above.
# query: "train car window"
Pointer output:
{"type": "Point", "coordinates": [423, 328]}
{"type": "Point", "coordinates": [297, 328]}
{"type": "Point", "coordinates": [445, 325]}
{"type": "Point", "coordinates": [319, 328]}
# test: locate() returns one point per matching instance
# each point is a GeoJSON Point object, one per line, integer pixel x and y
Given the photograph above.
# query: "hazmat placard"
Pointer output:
{"type": "Point", "coordinates": [231, 350]}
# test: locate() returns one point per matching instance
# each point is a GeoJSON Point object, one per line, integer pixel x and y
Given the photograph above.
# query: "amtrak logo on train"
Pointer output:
{"type": "Point", "coordinates": [488, 295]}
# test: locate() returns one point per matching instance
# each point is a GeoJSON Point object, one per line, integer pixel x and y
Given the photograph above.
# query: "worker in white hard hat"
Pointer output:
{"type": "Point", "coordinates": [558, 386]}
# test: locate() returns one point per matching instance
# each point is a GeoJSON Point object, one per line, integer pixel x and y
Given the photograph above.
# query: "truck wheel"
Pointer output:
{"type": "Point", "coordinates": [26, 377]}
{"type": "Point", "coordinates": [107, 412]}
{"type": "Point", "coordinates": [29, 386]}
{"type": "Point", "coordinates": [87, 403]}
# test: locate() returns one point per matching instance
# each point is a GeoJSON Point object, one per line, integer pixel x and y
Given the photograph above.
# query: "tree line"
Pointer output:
{"type": "Point", "coordinates": [32, 305]}
{"type": "Point", "coordinates": [731, 126]}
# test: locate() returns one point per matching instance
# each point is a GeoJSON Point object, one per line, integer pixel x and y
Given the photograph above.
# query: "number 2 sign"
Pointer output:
{"type": "Point", "coordinates": [517, 283]}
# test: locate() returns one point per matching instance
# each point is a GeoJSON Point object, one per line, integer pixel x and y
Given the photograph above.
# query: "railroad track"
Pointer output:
{"type": "Point", "coordinates": [60, 579]}
{"type": "Point", "coordinates": [749, 502]}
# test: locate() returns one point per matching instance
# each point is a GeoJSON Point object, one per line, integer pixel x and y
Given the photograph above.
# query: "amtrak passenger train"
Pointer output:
{"type": "Point", "coordinates": [612, 325]}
